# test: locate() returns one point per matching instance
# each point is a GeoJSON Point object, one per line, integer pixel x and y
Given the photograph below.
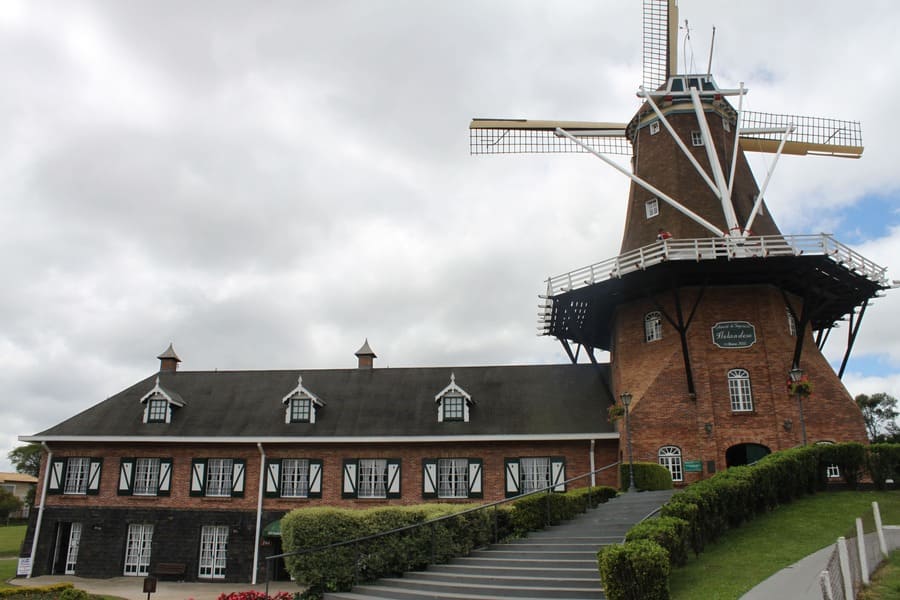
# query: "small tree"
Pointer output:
{"type": "Point", "coordinates": [880, 415]}
{"type": "Point", "coordinates": [8, 504]}
{"type": "Point", "coordinates": [26, 459]}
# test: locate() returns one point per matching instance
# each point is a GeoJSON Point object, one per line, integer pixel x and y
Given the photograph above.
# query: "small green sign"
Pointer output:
{"type": "Point", "coordinates": [733, 334]}
{"type": "Point", "coordinates": [693, 466]}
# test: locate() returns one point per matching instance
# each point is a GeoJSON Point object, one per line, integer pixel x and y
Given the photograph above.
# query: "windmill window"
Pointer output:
{"type": "Point", "coordinates": [792, 323]}
{"type": "Point", "coordinates": [372, 481]}
{"type": "Point", "coordinates": [670, 458]}
{"type": "Point", "coordinates": [651, 207]}
{"type": "Point", "coordinates": [294, 478]}
{"type": "Point", "coordinates": [218, 477]}
{"type": "Point", "coordinates": [653, 326]}
{"type": "Point", "coordinates": [696, 138]}
{"type": "Point", "coordinates": [739, 390]}
{"type": "Point", "coordinates": [726, 124]}
{"type": "Point", "coordinates": [146, 476]}
{"type": "Point", "coordinates": [654, 127]}
{"type": "Point", "coordinates": [693, 82]}
{"type": "Point", "coordinates": [534, 473]}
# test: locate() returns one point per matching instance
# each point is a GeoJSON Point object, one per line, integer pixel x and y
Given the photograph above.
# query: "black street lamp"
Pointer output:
{"type": "Point", "coordinates": [796, 375]}
{"type": "Point", "coordinates": [626, 401]}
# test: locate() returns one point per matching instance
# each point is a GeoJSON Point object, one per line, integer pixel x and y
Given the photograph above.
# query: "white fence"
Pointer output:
{"type": "Point", "coordinates": [854, 560]}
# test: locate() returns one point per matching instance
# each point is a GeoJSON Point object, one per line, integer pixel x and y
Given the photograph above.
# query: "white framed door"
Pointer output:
{"type": "Point", "coordinates": [137, 549]}
{"type": "Point", "coordinates": [213, 551]}
{"type": "Point", "coordinates": [72, 551]}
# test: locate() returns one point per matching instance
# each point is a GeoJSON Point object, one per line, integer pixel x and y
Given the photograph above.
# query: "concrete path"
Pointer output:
{"type": "Point", "coordinates": [130, 587]}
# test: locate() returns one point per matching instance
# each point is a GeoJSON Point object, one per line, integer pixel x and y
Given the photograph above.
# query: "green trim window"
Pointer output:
{"type": "Point", "coordinates": [157, 410]}
{"type": "Point", "coordinates": [75, 475]}
{"type": "Point", "coordinates": [371, 478]}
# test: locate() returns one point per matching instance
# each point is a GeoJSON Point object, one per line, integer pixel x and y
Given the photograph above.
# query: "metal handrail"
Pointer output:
{"type": "Point", "coordinates": [430, 522]}
{"type": "Point", "coordinates": [730, 248]}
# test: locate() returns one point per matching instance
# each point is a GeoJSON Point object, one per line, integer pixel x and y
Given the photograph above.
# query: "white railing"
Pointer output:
{"type": "Point", "coordinates": [714, 248]}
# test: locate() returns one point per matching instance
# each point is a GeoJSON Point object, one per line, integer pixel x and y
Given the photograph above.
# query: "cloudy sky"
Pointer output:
{"type": "Point", "coordinates": [268, 184]}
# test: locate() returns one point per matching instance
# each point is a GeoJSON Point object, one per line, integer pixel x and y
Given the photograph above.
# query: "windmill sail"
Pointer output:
{"type": "Point", "coordinates": [522, 136]}
{"type": "Point", "coordinates": [762, 132]}
{"type": "Point", "coordinates": [660, 42]}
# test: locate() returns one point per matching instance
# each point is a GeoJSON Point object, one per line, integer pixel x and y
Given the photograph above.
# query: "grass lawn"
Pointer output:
{"type": "Point", "coordinates": [743, 557]}
{"type": "Point", "coordinates": [885, 581]}
{"type": "Point", "coordinates": [7, 570]}
{"type": "Point", "coordinates": [11, 537]}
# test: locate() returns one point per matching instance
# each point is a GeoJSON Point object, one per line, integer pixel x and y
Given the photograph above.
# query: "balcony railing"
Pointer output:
{"type": "Point", "coordinates": [761, 247]}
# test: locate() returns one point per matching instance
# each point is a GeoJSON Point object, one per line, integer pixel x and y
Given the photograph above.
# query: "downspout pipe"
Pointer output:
{"type": "Point", "coordinates": [593, 475]}
{"type": "Point", "coordinates": [259, 501]}
{"type": "Point", "coordinates": [40, 516]}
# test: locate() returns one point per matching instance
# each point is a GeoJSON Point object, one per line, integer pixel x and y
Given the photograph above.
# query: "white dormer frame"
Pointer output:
{"type": "Point", "coordinates": [453, 390]}
{"type": "Point", "coordinates": [159, 393]}
{"type": "Point", "coordinates": [301, 393]}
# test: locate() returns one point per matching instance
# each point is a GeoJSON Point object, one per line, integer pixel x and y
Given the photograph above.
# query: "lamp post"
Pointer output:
{"type": "Point", "coordinates": [796, 374]}
{"type": "Point", "coordinates": [626, 401]}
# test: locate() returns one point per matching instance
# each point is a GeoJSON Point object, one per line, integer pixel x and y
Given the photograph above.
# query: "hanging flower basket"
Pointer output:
{"type": "Point", "coordinates": [615, 412]}
{"type": "Point", "coordinates": [804, 387]}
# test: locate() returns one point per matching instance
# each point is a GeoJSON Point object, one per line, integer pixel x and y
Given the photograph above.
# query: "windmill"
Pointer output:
{"type": "Point", "coordinates": [708, 306]}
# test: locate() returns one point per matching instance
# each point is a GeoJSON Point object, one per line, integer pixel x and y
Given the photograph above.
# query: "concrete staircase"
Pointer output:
{"type": "Point", "coordinates": [558, 562]}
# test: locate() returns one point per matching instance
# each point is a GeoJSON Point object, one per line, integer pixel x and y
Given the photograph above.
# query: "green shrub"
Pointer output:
{"type": "Point", "coordinates": [532, 512]}
{"type": "Point", "coordinates": [637, 570]}
{"type": "Point", "coordinates": [648, 476]}
{"type": "Point", "coordinates": [884, 463]}
{"type": "Point", "coordinates": [671, 533]}
{"type": "Point", "coordinates": [44, 592]}
{"type": "Point", "coordinates": [850, 457]}
{"type": "Point", "coordinates": [74, 594]}
{"type": "Point", "coordinates": [689, 513]}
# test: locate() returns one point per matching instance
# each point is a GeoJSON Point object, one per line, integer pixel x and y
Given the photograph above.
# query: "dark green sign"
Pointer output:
{"type": "Point", "coordinates": [693, 466]}
{"type": "Point", "coordinates": [733, 334]}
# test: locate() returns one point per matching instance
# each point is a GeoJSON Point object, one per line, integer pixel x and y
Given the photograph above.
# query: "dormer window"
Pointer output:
{"type": "Point", "coordinates": [300, 404]}
{"type": "Point", "coordinates": [453, 403]}
{"type": "Point", "coordinates": [157, 410]}
{"type": "Point", "coordinates": [159, 404]}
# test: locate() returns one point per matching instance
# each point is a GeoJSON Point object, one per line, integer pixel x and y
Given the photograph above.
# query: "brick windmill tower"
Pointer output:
{"type": "Point", "coordinates": [709, 310]}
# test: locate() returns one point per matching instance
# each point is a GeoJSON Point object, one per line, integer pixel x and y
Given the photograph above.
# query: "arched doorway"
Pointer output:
{"type": "Point", "coordinates": [745, 454]}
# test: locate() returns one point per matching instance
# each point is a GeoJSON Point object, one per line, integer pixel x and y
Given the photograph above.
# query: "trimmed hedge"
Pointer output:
{"type": "Point", "coordinates": [704, 510]}
{"type": "Point", "coordinates": [338, 569]}
{"type": "Point", "coordinates": [883, 464]}
{"type": "Point", "coordinates": [56, 591]}
{"type": "Point", "coordinates": [669, 532]}
{"type": "Point", "coordinates": [648, 476]}
{"type": "Point", "coordinates": [637, 570]}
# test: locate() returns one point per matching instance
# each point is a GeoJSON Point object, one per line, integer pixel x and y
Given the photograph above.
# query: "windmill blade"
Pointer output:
{"type": "Point", "coordinates": [762, 132]}
{"type": "Point", "coordinates": [659, 42]}
{"type": "Point", "coordinates": [521, 136]}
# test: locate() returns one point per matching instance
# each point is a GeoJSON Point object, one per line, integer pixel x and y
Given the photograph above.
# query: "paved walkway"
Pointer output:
{"type": "Point", "coordinates": [130, 587]}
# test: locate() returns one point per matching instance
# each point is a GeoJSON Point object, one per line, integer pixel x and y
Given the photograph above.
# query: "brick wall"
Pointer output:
{"type": "Point", "coordinates": [664, 413]}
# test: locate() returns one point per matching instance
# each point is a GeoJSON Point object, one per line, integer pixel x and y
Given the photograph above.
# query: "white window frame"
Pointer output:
{"type": "Point", "coordinates": [146, 477]}
{"type": "Point", "coordinates": [294, 478]}
{"type": "Point", "coordinates": [651, 208]}
{"type": "Point", "coordinates": [137, 550]}
{"type": "Point", "coordinates": [157, 410]}
{"type": "Point", "coordinates": [654, 127]}
{"type": "Point", "coordinates": [219, 473]}
{"type": "Point", "coordinates": [72, 551]}
{"type": "Point", "coordinates": [454, 407]}
{"type": "Point", "coordinates": [696, 138]}
{"type": "Point", "coordinates": [792, 322]}
{"type": "Point", "coordinates": [371, 479]}
{"type": "Point", "coordinates": [670, 458]}
{"type": "Point", "coordinates": [534, 473]}
{"type": "Point", "coordinates": [653, 326]}
{"type": "Point", "coordinates": [301, 410]}
{"type": "Point", "coordinates": [78, 470]}
{"type": "Point", "coordinates": [726, 124]}
{"type": "Point", "coordinates": [213, 552]}
{"type": "Point", "coordinates": [740, 391]}
{"type": "Point", "coordinates": [453, 478]}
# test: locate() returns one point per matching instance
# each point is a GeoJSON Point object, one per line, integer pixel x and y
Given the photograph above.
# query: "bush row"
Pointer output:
{"type": "Point", "coordinates": [699, 514]}
{"type": "Point", "coordinates": [647, 476]}
{"type": "Point", "coordinates": [55, 591]}
{"type": "Point", "coordinates": [437, 541]}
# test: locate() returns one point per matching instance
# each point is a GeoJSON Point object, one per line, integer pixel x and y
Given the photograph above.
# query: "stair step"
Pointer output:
{"type": "Point", "coordinates": [387, 593]}
{"type": "Point", "coordinates": [515, 580]}
{"type": "Point", "coordinates": [427, 589]}
{"type": "Point", "coordinates": [531, 571]}
{"type": "Point", "coordinates": [531, 563]}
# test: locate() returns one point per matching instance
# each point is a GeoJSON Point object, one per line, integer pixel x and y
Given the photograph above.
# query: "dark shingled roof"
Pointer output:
{"type": "Point", "coordinates": [511, 401]}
